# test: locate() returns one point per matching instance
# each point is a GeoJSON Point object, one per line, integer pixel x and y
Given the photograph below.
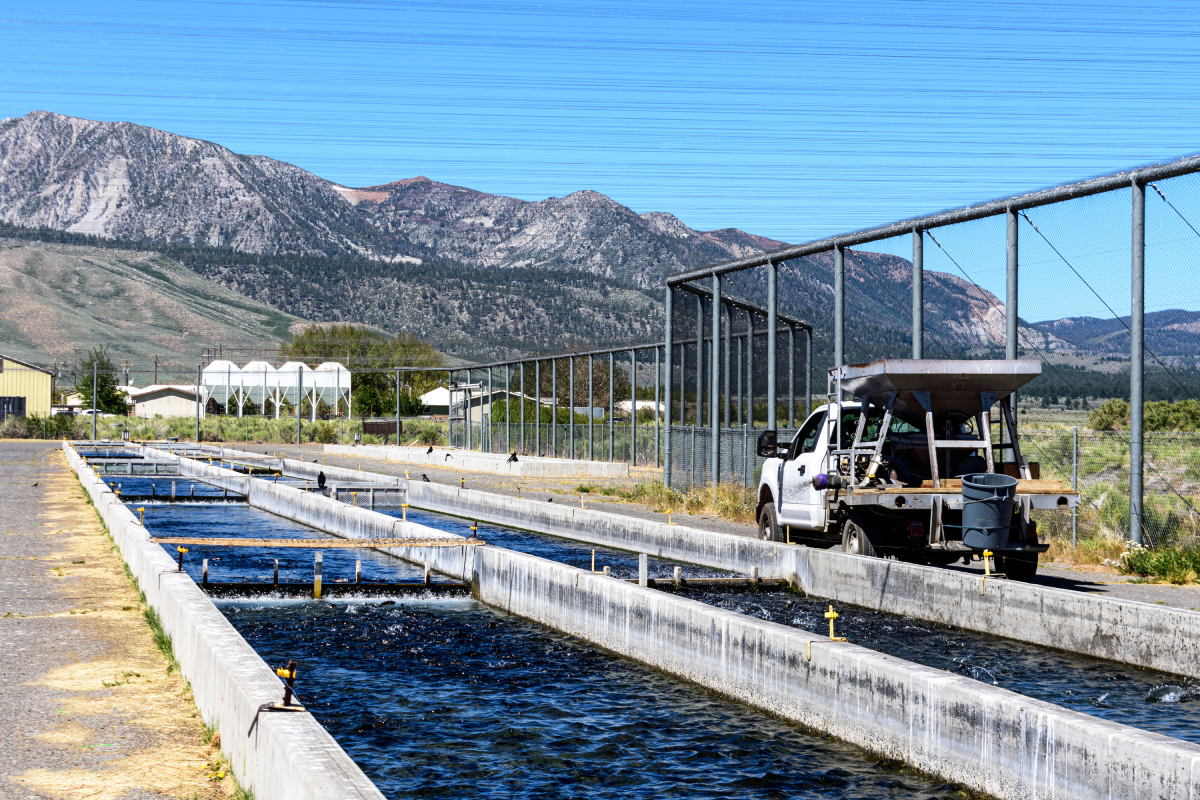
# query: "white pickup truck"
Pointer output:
{"type": "Point", "coordinates": [892, 473]}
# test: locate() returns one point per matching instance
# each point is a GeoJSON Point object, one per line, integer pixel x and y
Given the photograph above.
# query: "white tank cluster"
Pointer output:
{"type": "Point", "coordinates": [258, 383]}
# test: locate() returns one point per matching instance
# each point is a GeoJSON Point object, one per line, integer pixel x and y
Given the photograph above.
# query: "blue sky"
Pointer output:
{"type": "Point", "coordinates": [790, 120]}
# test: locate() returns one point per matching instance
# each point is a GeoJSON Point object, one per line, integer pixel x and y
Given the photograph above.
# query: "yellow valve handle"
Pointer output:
{"type": "Point", "coordinates": [182, 549]}
{"type": "Point", "coordinates": [285, 673]}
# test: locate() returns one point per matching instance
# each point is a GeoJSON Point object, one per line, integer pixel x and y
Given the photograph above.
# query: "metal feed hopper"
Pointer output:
{"type": "Point", "coordinates": [949, 384]}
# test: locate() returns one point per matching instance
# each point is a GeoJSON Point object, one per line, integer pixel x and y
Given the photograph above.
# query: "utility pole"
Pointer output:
{"type": "Point", "coordinates": [156, 369]}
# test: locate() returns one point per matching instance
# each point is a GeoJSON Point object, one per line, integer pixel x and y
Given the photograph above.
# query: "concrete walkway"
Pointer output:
{"type": "Point", "coordinates": [87, 707]}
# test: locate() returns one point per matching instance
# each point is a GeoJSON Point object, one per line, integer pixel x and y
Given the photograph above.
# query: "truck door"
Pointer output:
{"type": "Point", "coordinates": [801, 504]}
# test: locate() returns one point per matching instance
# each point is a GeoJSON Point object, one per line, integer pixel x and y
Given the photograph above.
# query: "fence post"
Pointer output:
{"type": "Point", "coordinates": [591, 405]}
{"type": "Point", "coordinates": [522, 393]}
{"type": "Point", "coordinates": [1137, 365]}
{"type": "Point", "coordinates": [714, 392]}
{"type": "Point", "coordinates": [537, 407]}
{"type": "Point", "coordinates": [772, 343]}
{"type": "Point", "coordinates": [508, 408]}
{"type": "Point", "coordinates": [397, 408]}
{"type": "Point", "coordinates": [657, 385]}
{"type": "Point", "coordinates": [612, 371]}
{"type": "Point", "coordinates": [571, 407]}
{"type": "Point", "coordinates": [791, 375]}
{"type": "Point", "coordinates": [808, 371]}
{"type": "Point", "coordinates": [839, 306]}
{"type": "Point", "coordinates": [554, 407]}
{"type": "Point", "coordinates": [1011, 345]}
{"type": "Point", "coordinates": [491, 416]}
{"type": "Point", "coordinates": [197, 404]}
{"type": "Point", "coordinates": [1074, 480]}
{"type": "Point", "coordinates": [633, 408]}
{"type": "Point", "coordinates": [699, 360]}
{"type": "Point", "coordinates": [467, 410]}
{"type": "Point", "coordinates": [750, 368]}
{"type": "Point", "coordinates": [668, 353]}
{"type": "Point", "coordinates": [726, 345]}
{"type": "Point", "coordinates": [450, 409]}
{"type": "Point", "coordinates": [918, 294]}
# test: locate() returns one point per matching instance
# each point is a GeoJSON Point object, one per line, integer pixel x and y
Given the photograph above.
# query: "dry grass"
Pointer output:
{"type": "Point", "coordinates": [132, 718]}
{"type": "Point", "coordinates": [732, 501]}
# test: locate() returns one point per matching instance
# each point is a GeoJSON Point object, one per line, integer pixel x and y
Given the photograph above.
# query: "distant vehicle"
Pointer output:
{"type": "Point", "coordinates": [909, 471]}
{"type": "Point", "coordinates": [87, 412]}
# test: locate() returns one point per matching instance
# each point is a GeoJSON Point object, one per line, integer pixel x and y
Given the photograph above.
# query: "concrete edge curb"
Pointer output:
{"type": "Point", "coordinates": [291, 756]}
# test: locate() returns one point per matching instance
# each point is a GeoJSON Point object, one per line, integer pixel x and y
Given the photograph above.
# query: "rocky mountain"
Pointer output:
{"type": "Point", "coordinates": [1172, 335]}
{"type": "Point", "coordinates": [479, 275]}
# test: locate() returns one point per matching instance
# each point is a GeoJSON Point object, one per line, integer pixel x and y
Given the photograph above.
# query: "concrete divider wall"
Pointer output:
{"type": "Point", "coordinates": [989, 739]}
{"type": "Point", "coordinates": [1126, 631]}
{"type": "Point", "coordinates": [290, 756]}
{"type": "Point", "coordinates": [495, 463]}
{"type": "Point", "coordinates": [331, 516]}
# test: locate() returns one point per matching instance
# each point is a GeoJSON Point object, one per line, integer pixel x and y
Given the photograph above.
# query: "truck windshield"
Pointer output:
{"type": "Point", "coordinates": [874, 417]}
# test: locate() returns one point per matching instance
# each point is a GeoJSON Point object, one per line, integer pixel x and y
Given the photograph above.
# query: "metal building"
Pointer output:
{"type": "Point", "coordinates": [25, 388]}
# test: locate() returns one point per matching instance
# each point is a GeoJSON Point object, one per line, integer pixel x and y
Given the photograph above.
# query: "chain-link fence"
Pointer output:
{"type": "Point", "coordinates": [635, 445]}
{"type": "Point", "coordinates": [1102, 298]}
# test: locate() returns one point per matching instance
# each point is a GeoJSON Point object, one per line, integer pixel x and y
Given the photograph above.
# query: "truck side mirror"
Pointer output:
{"type": "Point", "coordinates": [768, 444]}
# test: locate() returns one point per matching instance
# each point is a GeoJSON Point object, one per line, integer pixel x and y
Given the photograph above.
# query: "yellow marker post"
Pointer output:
{"type": "Point", "coordinates": [831, 615]}
{"type": "Point", "coordinates": [404, 511]}
{"type": "Point", "coordinates": [462, 483]}
{"type": "Point", "coordinates": [355, 498]}
{"type": "Point", "coordinates": [142, 517]}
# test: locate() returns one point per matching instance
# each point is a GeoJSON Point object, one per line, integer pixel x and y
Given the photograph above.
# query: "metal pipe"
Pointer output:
{"type": "Point", "coordinates": [839, 307]}
{"type": "Point", "coordinates": [571, 407]}
{"type": "Point", "coordinates": [726, 342]}
{"type": "Point", "coordinates": [791, 376]}
{"type": "Point", "coordinates": [554, 407]}
{"type": "Point", "coordinates": [397, 408]}
{"type": "Point", "coordinates": [1070, 191]}
{"type": "Point", "coordinates": [299, 394]}
{"type": "Point", "coordinates": [742, 361]}
{"type": "Point", "coordinates": [612, 371]}
{"type": "Point", "coordinates": [537, 408]}
{"type": "Point", "coordinates": [918, 294]}
{"type": "Point", "coordinates": [523, 451]}
{"type": "Point", "coordinates": [683, 384]}
{"type": "Point", "coordinates": [668, 353]}
{"type": "Point", "coordinates": [700, 291]}
{"type": "Point", "coordinates": [591, 406]}
{"type": "Point", "coordinates": [808, 373]}
{"type": "Point", "coordinates": [633, 408]}
{"type": "Point", "coordinates": [491, 405]}
{"type": "Point", "coordinates": [657, 385]}
{"type": "Point", "coordinates": [197, 404]}
{"type": "Point", "coordinates": [507, 408]}
{"type": "Point", "coordinates": [772, 342]}
{"type": "Point", "coordinates": [450, 408]}
{"type": "Point", "coordinates": [714, 420]}
{"type": "Point", "coordinates": [750, 368]}
{"type": "Point", "coordinates": [467, 409]}
{"type": "Point", "coordinates": [699, 362]}
{"type": "Point", "coordinates": [1074, 481]}
{"type": "Point", "coordinates": [1011, 344]}
{"type": "Point", "coordinates": [1137, 361]}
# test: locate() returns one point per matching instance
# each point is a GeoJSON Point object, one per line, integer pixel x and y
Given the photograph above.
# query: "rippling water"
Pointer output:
{"type": "Point", "coordinates": [565, 551]}
{"type": "Point", "coordinates": [449, 698]}
{"type": "Point", "coordinates": [242, 564]}
{"type": "Point", "coordinates": [184, 487]}
{"type": "Point", "coordinates": [1146, 699]}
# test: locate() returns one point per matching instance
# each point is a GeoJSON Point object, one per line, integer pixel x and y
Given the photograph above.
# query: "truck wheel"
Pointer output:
{"type": "Point", "coordinates": [855, 540]}
{"type": "Point", "coordinates": [768, 526]}
{"type": "Point", "coordinates": [1018, 566]}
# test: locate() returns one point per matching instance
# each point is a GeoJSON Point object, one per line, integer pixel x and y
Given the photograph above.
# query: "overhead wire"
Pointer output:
{"type": "Point", "coordinates": [932, 338]}
{"type": "Point", "coordinates": [1106, 305]}
{"type": "Point", "coordinates": [1061, 377]}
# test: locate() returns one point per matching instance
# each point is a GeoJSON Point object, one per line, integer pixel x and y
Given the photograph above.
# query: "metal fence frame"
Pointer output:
{"type": "Point", "coordinates": [1136, 179]}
